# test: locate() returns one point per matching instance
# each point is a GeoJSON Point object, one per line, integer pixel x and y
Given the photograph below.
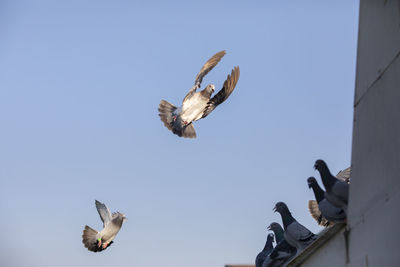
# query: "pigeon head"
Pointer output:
{"type": "Point", "coordinates": [274, 226]}
{"type": "Point", "coordinates": [311, 181]}
{"type": "Point", "coordinates": [320, 165]}
{"type": "Point", "coordinates": [327, 178]}
{"type": "Point", "coordinates": [209, 89]}
{"type": "Point", "coordinates": [281, 207]}
{"type": "Point", "coordinates": [278, 231]}
{"type": "Point", "coordinates": [120, 216]}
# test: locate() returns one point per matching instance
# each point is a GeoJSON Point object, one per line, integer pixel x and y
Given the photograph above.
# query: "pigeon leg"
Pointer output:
{"type": "Point", "coordinates": [105, 245]}
{"type": "Point", "coordinates": [99, 242]}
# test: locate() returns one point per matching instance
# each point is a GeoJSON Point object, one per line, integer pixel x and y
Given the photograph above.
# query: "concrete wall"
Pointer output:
{"type": "Point", "coordinates": [374, 211]}
{"type": "Point", "coordinates": [374, 207]}
{"type": "Point", "coordinates": [331, 254]}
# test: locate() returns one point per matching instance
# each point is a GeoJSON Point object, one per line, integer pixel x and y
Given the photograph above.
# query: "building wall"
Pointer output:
{"type": "Point", "coordinates": [374, 205]}
{"type": "Point", "coordinates": [333, 252]}
{"type": "Point", "coordinates": [374, 211]}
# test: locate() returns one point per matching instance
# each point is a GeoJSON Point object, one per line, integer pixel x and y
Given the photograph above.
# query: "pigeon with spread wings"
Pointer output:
{"type": "Point", "coordinates": [321, 209]}
{"type": "Point", "coordinates": [112, 223]}
{"type": "Point", "coordinates": [197, 105]}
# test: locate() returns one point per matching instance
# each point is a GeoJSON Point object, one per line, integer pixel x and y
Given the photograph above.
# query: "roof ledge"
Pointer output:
{"type": "Point", "coordinates": [323, 237]}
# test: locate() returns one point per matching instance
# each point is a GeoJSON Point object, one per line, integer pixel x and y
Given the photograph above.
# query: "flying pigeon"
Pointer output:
{"type": "Point", "coordinates": [112, 223]}
{"type": "Point", "coordinates": [197, 105]}
{"type": "Point", "coordinates": [295, 234]}
{"type": "Point", "coordinates": [323, 212]}
{"type": "Point", "coordinates": [283, 252]}
{"type": "Point", "coordinates": [266, 250]}
{"type": "Point", "coordinates": [337, 188]}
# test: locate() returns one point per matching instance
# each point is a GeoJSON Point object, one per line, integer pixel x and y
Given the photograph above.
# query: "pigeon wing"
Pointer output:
{"type": "Point", "coordinates": [104, 212]}
{"type": "Point", "coordinates": [224, 93]}
{"type": "Point", "coordinates": [282, 251]}
{"type": "Point", "coordinates": [209, 65]}
{"type": "Point", "coordinates": [316, 214]}
{"type": "Point", "coordinates": [344, 175]}
{"type": "Point", "coordinates": [299, 232]}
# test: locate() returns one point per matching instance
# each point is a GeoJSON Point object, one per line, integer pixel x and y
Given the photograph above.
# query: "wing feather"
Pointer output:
{"type": "Point", "coordinates": [207, 67]}
{"type": "Point", "coordinates": [316, 214]}
{"type": "Point", "coordinates": [104, 212]}
{"type": "Point", "coordinates": [224, 93]}
{"type": "Point", "coordinates": [344, 175]}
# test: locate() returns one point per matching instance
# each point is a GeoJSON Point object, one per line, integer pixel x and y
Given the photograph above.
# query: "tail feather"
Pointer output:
{"type": "Point", "coordinates": [89, 239]}
{"type": "Point", "coordinates": [175, 125]}
{"type": "Point", "coordinates": [166, 110]}
{"type": "Point", "coordinates": [189, 132]}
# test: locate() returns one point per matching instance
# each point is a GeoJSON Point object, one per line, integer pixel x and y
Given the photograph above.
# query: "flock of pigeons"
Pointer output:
{"type": "Point", "coordinates": [195, 106]}
{"type": "Point", "coordinates": [328, 208]}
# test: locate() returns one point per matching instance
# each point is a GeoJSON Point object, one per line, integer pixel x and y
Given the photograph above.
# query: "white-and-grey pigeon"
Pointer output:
{"type": "Point", "coordinates": [295, 234]}
{"type": "Point", "coordinates": [197, 105]}
{"type": "Point", "coordinates": [337, 188]}
{"type": "Point", "coordinates": [112, 223]}
{"type": "Point", "coordinates": [322, 210]}
{"type": "Point", "coordinates": [283, 252]}
{"type": "Point", "coordinates": [266, 251]}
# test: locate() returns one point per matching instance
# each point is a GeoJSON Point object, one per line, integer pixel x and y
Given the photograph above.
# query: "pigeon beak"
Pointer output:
{"type": "Point", "coordinates": [309, 185]}
{"type": "Point", "coordinates": [274, 209]}
{"type": "Point", "coordinates": [269, 227]}
{"type": "Point", "coordinates": [315, 166]}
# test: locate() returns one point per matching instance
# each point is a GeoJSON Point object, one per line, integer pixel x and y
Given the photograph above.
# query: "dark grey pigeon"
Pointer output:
{"type": "Point", "coordinates": [197, 105]}
{"type": "Point", "coordinates": [295, 234]}
{"type": "Point", "coordinates": [337, 189]}
{"type": "Point", "coordinates": [112, 223]}
{"type": "Point", "coordinates": [266, 250]}
{"type": "Point", "coordinates": [283, 251]}
{"type": "Point", "coordinates": [325, 213]}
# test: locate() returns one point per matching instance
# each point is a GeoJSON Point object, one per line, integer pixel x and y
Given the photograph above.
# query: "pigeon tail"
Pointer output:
{"type": "Point", "coordinates": [189, 132]}
{"type": "Point", "coordinates": [89, 239]}
{"type": "Point", "coordinates": [167, 110]}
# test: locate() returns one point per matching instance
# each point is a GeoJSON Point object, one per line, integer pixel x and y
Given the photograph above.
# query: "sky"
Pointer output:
{"type": "Point", "coordinates": [80, 84]}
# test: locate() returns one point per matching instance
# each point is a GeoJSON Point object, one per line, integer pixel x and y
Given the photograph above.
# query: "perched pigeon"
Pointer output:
{"type": "Point", "coordinates": [337, 188]}
{"type": "Point", "coordinates": [266, 250]}
{"type": "Point", "coordinates": [295, 234]}
{"type": "Point", "coordinates": [325, 213]}
{"type": "Point", "coordinates": [197, 105]}
{"type": "Point", "coordinates": [99, 241]}
{"type": "Point", "coordinates": [283, 252]}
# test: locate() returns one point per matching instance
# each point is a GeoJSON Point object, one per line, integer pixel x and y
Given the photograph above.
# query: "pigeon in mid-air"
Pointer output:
{"type": "Point", "coordinates": [295, 234]}
{"type": "Point", "coordinates": [322, 210]}
{"type": "Point", "coordinates": [112, 223]}
{"type": "Point", "coordinates": [266, 251]}
{"type": "Point", "coordinates": [197, 105]}
{"type": "Point", "coordinates": [283, 252]}
{"type": "Point", "coordinates": [337, 188]}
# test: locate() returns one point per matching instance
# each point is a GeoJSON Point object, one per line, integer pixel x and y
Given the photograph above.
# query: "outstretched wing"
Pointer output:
{"type": "Point", "coordinates": [104, 212]}
{"type": "Point", "coordinates": [344, 175]}
{"type": "Point", "coordinates": [224, 93]}
{"type": "Point", "coordinates": [316, 214]}
{"type": "Point", "coordinates": [209, 65]}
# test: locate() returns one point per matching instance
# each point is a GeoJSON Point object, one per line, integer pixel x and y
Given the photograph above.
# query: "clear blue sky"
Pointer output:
{"type": "Point", "coordinates": [80, 83]}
